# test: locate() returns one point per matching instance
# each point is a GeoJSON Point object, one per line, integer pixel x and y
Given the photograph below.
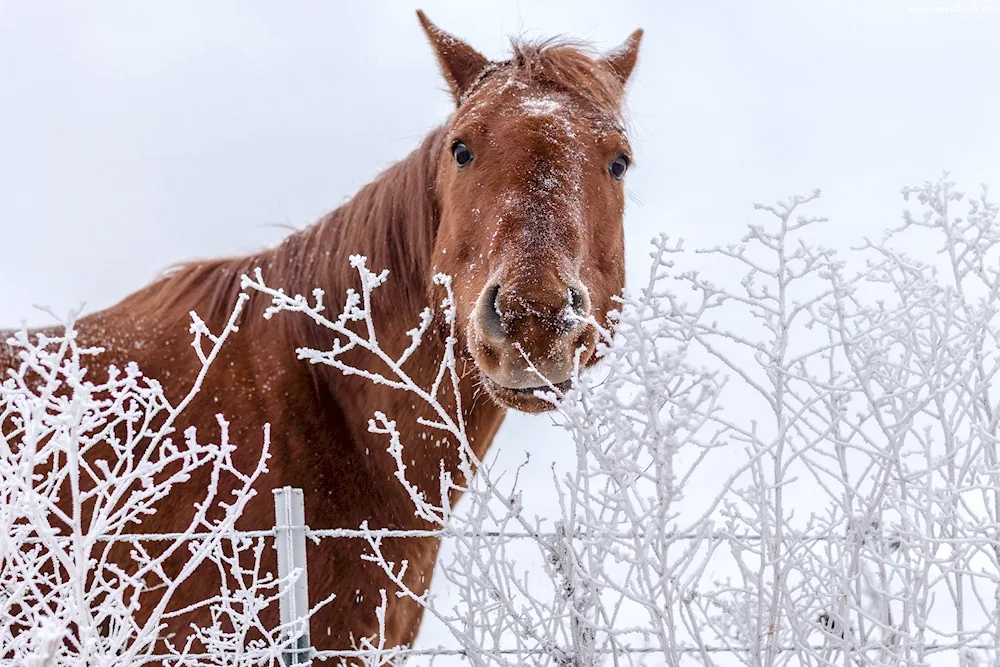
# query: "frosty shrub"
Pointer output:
{"type": "Point", "coordinates": [794, 463]}
{"type": "Point", "coordinates": [84, 456]}
{"type": "Point", "coordinates": [788, 456]}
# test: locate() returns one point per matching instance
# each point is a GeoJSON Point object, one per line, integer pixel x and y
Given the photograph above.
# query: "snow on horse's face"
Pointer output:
{"type": "Point", "coordinates": [531, 197]}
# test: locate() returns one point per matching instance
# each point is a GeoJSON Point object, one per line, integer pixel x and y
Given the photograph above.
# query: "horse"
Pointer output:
{"type": "Point", "coordinates": [519, 196]}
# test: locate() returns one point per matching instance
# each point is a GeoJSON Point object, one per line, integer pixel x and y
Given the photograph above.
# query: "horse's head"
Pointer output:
{"type": "Point", "coordinates": [531, 200]}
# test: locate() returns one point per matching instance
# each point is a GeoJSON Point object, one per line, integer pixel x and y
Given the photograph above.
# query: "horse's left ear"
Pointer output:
{"type": "Point", "coordinates": [460, 63]}
{"type": "Point", "coordinates": [622, 60]}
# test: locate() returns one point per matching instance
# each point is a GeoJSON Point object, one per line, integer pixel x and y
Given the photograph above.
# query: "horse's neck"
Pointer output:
{"type": "Point", "coordinates": [359, 399]}
{"type": "Point", "coordinates": [391, 222]}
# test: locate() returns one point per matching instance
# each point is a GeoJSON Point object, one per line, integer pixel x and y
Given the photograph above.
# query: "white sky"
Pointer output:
{"type": "Point", "coordinates": [134, 136]}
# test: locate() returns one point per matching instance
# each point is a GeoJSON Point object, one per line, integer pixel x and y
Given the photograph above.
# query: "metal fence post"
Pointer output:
{"type": "Point", "coordinates": [290, 541]}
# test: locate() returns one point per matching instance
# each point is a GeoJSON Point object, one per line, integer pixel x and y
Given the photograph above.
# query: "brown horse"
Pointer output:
{"type": "Point", "coordinates": [519, 197]}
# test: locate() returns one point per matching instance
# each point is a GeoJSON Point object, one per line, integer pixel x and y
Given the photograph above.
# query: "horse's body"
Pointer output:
{"type": "Point", "coordinates": [407, 221]}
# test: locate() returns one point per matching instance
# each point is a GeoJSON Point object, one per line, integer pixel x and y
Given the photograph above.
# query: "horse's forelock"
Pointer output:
{"type": "Point", "coordinates": [556, 64]}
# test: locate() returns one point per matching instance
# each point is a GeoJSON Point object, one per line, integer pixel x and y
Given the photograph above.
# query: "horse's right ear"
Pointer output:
{"type": "Point", "coordinates": [460, 63]}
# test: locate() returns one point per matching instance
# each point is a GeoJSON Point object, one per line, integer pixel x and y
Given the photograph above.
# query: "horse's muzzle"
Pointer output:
{"type": "Point", "coordinates": [532, 336]}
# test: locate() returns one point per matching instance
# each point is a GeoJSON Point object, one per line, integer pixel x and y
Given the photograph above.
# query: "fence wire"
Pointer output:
{"type": "Point", "coordinates": [300, 647]}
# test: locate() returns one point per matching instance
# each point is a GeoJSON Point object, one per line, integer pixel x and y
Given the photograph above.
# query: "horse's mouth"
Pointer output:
{"type": "Point", "coordinates": [525, 399]}
{"type": "Point", "coordinates": [530, 391]}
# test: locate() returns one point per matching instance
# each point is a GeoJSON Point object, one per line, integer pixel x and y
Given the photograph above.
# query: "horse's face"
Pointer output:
{"type": "Point", "coordinates": [531, 198]}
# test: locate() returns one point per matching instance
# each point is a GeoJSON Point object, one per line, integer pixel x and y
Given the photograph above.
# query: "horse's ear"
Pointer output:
{"type": "Point", "coordinates": [460, 63]}
{"type": "Point", "coordinates": [621, 61]}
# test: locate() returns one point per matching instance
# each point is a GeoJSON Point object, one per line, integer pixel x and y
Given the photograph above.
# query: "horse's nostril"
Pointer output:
{"type": "Point", "coordinates": [492, 324]}
{"type": "Point", "coordinates": [494, 298]}
{"type": "Point", "coordinates": [577, 302]}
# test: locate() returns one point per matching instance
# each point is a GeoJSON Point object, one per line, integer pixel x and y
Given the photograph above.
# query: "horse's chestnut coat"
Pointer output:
{"type": "Point", "coordinates": [518, 197]}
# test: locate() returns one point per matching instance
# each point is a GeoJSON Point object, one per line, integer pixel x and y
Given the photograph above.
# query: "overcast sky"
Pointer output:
{"type": "Point", "coordinates": [134, 135]}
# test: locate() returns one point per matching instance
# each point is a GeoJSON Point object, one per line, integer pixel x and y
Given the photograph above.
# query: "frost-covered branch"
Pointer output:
{"type": "Point", "coordinates": [85, 457]}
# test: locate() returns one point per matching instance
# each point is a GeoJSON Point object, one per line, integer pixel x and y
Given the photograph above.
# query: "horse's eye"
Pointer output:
{"type": "Point", "coordinates": [462, 154]}
{"type": "Point", "coordinates": [618, 167]}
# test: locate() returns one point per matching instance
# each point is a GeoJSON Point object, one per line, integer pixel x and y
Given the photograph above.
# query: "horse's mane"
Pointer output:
{"type": "Point", "coordinates": [392, 220]}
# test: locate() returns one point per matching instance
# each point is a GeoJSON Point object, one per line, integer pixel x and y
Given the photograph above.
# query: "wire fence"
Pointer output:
{"type": "Point", "coordinates": [291, 534]}
{"type": "Point", "coordinates": [365, 533]}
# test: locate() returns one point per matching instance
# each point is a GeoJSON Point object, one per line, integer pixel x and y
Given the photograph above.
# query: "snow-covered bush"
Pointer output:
{"type": "Point", "coordinates": [788, 456]}
{"type": "Point", "coordinates": [84, 456]}
{"type": "Point", "coordinates": [798, 465]}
